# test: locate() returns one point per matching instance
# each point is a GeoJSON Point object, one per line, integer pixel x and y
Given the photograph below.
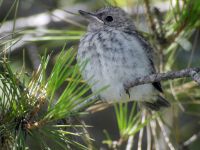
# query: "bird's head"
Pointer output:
{"type": "Point", "coordinates": [109, 17]}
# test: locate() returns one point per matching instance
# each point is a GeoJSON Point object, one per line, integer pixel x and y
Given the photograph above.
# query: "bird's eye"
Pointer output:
{"type": "Point", "coordinates": [109, 18]}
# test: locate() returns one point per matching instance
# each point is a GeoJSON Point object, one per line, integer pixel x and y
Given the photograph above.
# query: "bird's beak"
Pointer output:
{"type": "Point", "coordinates": [90, 16]}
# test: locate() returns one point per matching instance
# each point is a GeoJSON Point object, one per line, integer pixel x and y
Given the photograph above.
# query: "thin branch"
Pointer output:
{"type": "Point", "coordinates": [141, 131]}
{"type": "Point", "coordinates": [130, 143]}
{"type": "Point", "coordinates": [86, 136]}
{"type": "Point", "coordinates": [174, 94]}
{"type": "Point", "coordinates": [153, 126]}
{"type": "Point", "coordinates": [184, 87]}
{"type": "Point", "coordinates": [149, 141]}
{"type": "Point", "coordinates": [150, 18]}
{"type": "Point", "coordinates": [166, 137]}
{"type": "Point", "coordinates": [189, 72]}
{"type": "Point", "coordinates": [192, 139]}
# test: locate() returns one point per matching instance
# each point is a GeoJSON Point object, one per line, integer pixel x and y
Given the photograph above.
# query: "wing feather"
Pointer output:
{"type": "Point", "coordinates": [149, 52]}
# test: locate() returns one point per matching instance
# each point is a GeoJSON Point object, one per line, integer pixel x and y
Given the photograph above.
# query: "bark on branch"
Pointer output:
{"type": "Point", "coordinates": [190, 72]}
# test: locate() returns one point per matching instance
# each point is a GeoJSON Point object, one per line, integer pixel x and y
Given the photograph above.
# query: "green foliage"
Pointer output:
{"type": "Point", "coordinates": [180, 24]}
{"type": "Point", "coordinates": [189, 16]}
{"type": "Point", "coordinates": [23, 111]}
{"type": "Point", "coordinates": [129, 123]}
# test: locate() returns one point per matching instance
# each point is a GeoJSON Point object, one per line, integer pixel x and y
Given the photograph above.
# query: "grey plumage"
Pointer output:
{"type": "Point", "coordinates": [117, 54]}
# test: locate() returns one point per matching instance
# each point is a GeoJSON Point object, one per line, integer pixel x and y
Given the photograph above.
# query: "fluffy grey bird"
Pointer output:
{"type": "Point", "coordinates": [118, 54]}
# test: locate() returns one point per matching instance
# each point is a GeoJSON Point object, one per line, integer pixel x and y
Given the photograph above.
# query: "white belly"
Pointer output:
{"type": "Point", "coordinates": [112, 62]}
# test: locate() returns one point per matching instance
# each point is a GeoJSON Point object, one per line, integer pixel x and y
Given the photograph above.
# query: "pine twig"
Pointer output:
{"type": "Point", "coordinates": [166, 137]}
{"type": "Point", "coordinates": [150, 18]}
{"type": "Point", "coordinates": [153, 126]}
{"type": "Point", "coordinates": [130, 143]}
{"type": "Point", "coordinates": [189, 72]}
{"type": "Point", "coordinates": [141, 131]}
{"type": "Point", "coordinates": [192, 139]}
{"type": "Point", "coordinates": [149, 137]}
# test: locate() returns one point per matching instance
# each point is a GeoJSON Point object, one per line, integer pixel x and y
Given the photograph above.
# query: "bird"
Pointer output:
{"type": "Point", "coordinates": [116, 53]}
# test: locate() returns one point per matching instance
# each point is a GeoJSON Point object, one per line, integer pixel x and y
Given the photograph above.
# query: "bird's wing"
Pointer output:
{"type": "Point", "coordinates": [150, 56]}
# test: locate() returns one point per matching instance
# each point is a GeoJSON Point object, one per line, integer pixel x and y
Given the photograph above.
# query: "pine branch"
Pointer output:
{"type": "Point", "coordinates": [189, 72]}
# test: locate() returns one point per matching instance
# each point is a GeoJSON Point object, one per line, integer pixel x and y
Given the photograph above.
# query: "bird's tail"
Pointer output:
{"type": "Point", "coordinates": [159, 103]}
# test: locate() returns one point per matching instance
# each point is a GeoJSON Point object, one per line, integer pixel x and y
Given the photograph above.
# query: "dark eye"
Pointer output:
{"type": "Point", "coordinates": [109, 18]}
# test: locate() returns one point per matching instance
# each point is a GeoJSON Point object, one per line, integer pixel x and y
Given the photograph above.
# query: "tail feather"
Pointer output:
{"type": "Point", "coordinates": [159, 103]}
{"type": "Point", "coordinates": [162, 102]}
